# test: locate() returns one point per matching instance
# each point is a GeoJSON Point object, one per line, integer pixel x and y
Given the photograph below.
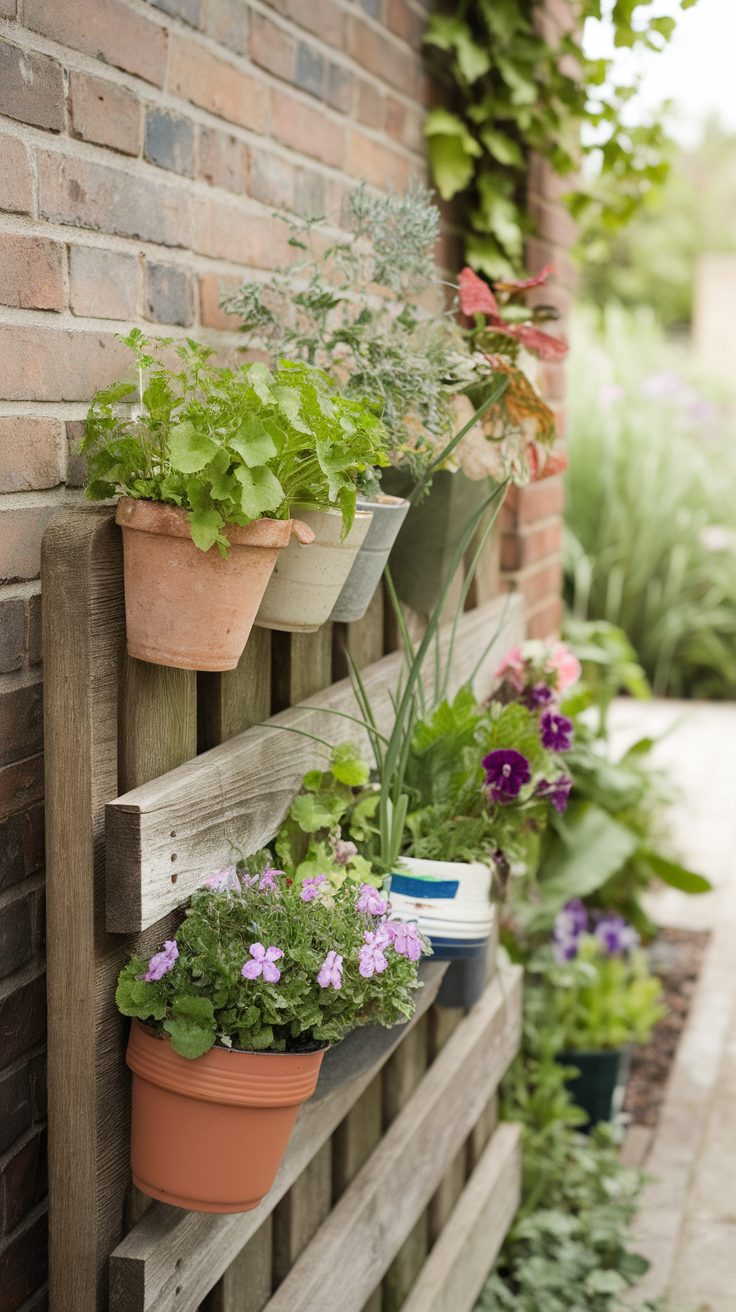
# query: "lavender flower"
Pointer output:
{"type": "Point", "coordinates": [372, 955]}
{"type": "Point", "coordinates": [556, 791]}
{"type": "Point", "coordinates": [330, 972]}
{"type": "Point", "coordinates": [371, 900]}
{"type": "Point", "coordinates": [261, 963]}
{"type": "Point", "coordinates": [343, 850]}
{"type": "Point", "coordinates": [311, 887]}
{"type": "Point", "coordinates": [565, 949]}
{"type": "Point", "coordinates": [538, 695]}
{"type": "Point", "coordinates": [269, 879]}
{"type": "Point", "coordinates": [570, 923]}
{"type": "Point", "coordinates": [404, 939]}
{"type": "Point", "coordinates": [556, 732]}
{"type": "Point", "coordinates": [162, 962]}
{"type": "Point", "coordinates": [614, 935]}
{"type": "Point", "coordinates": [223, 880]}
{"type": "Point", "coordinates": [506, 773]}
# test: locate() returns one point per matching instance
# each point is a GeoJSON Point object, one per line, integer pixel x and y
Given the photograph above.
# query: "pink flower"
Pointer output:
{"type": "Point", "coordinates": [330, 972]}
{"type": "Point", "coordinates": [343, 850]}
{"type": "Point", "coordinates": [371, 900]}
{"type": "Point", "coordinates": [269, 879]}
{"type": "Point", "coordinates": [405, 939]}
{"type": "Point", "coordinates": [162, 962]}
{"type": "Point", "coordinates": [223, 880]}
{"type": "Point", "coordinates": [261, 963]}
{"type": "Point", "coordinates": [566, 665]}
{"type": "Point", "coordinates": [372, 956]}
{"type": "Point", "coordinates": [310, 887]}
{"type": "Point", "coordinates": [512, 668]}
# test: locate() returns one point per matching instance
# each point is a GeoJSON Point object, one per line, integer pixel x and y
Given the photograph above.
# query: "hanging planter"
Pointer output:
{"type": "Point", "coordinates": [189, 608]}
{"type": "Point", "coordinates": [430, 533]}
{"type": "Point", "coordinates": [209, 1135]}
{"type": "Point", "coordinates": [599, 1086]}
{"type": "Point", "coordinates": [305, 585]}
{"type": "Point", "coordinates": [389, 514]}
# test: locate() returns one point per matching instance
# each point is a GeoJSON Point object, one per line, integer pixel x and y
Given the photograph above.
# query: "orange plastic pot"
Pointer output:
{"type": "Point", "coordinates": [209, 1135]}
{"type": "Point", "coordinates": [189, 608]}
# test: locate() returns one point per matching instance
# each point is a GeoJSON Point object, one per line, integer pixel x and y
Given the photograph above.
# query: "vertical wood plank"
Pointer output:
{"type": "Point", "coordinates": [402, 1074]}
{"type": "Point", "coordinates": [157, 721]}
{"type": "Point", "coordinates": [442, 1022]}
{"type": "Point", "coordinates": [228, 704]}
{"type": "Point", "coordinates": [363, 640]}
{"type": "Point", "coordinates": [300, 1214]}
{"type": "Point", "coordinates": [302, 666]}
{"type": "Point", "coordinates": [486, 583]}
{"type": "Point", "coordinates": [247, 1284]}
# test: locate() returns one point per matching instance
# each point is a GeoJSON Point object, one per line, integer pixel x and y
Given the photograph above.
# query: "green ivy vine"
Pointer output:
{"type": "Point", "coordinates": [511, 88]}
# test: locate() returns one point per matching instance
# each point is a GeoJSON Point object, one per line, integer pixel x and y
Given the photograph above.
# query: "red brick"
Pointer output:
{"type": "Point", "coordinates": [376, 163]}
{"type": "Point", "coordinates": [388, 61]}
{"type": "Point", "coordinates": [370, 106]}
{"type": "Point", "coordinates": [211, 288]}
{"type": "Point", "coordinates": [23, 1264]}
{"type": "Point", "coordinates": [15, 1105]}
{"type": "Point", "coordinates": [226, 21]}
{"type": "Point", "coordinates": [405, 23]}
{"type": "Point", "coordinates": [107, 29]}
{"type": "Point", "coordinates": [103, 284]}
{"type": "Point", "coordinates": [31, 453]}
{"type": "Point", "coordinates": [95, 196]}
{"type": "Point", "coordinates": [540, 500]}
{"type": "Point", "coordinates": [198, 75]}
{"type": "Point", "coordinates": [21, 719]}
{"type": "Point", "coordinates": [23, 1181]}
{"type": "Point", "coordinates": [405, 123]}
{"type": "Point", "coordinates": [271, 47]}
{"type": "Point", "coordinates": [12, 634]}
{"type": "Point", "coordinates": [324, 18]}
{"type": "Point", "coordinates": [76, 464]}
{"type": "Point", "coordinates": [21, 786]}
{"type": "Point", "coordinates": [223, 160]}
{"type": "Point", "coordinates": [16, 194]}
{"type": "Point", "coordinates": [31, 87]}
{"type": "Point", "coordinates": [105, 113]}
{"type": "Point", "coordinates": [551, 381]}
{"type": "Point", "coordinates": [44, 364]}
{"type": "Point", "coordinates": [22, 1019]}
{"type": "Point", "coordinates": [224, 230]}
{"type": "Point", "coordinates": [21, 531]}
{"type": "Point", "coordinates": [31, 276]}
{"type": "Point", "coordinates": [545, 622]}
{"type": "Point", "coordinates": [553, 222]}
{"type": "Point", "coordinates": [16, 939]}
{"type": "Point", "coordinates": [519, 551]}
{"type": "Point", "coordinates": [540, 584]}
{"type": "Point", "coordinates": [305, 129]}
{"type": "Point", "coordinates": [272, 180]}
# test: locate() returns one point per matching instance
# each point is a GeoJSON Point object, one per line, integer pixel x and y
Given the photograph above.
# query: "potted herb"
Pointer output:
{"type": "Point", "coordinates": [601, 999]}
{"type": "Point", "coordinates": [212, 463]}
{"type": "Point", "coordinates": [231, 1020]}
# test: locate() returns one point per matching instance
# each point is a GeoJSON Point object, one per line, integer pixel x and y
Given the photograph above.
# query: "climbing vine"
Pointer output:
{"type": "Point", "coordinates": [512, 86]}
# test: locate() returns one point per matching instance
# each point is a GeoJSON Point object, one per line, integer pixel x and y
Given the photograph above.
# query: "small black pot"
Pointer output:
{"type": "Point", "coordinates": [600, 1084]}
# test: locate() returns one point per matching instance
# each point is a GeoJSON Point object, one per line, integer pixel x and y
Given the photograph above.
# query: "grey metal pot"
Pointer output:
{"type": "Point", "coordinates": [431, 531]}
{"type": "Point", "coordinates": [389, 513]}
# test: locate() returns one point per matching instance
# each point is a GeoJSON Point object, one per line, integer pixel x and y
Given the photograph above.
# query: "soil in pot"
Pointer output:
{"type": "Point", "coordinates": [209, 1135]}
{"type": "Point", "coordinates": [305, 584]}
{"type": "Point", "coordinates": [600, 1083]}
{"type": "Point", "coordinates": [389, 514]}
{"type": "Point", "coordinates": [430, 533]}
{"type": "Point", "coordinates": [188, 608]}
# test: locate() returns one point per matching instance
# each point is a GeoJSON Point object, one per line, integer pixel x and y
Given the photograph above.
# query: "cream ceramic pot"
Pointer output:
{"type": "Point", "coordinates": [307, 581]}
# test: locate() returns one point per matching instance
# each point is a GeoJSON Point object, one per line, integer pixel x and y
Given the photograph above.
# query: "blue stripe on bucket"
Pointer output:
{"type": "Point", "coordinates": [424, 886]}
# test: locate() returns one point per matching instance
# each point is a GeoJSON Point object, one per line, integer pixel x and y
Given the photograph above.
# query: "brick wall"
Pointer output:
{"type": "Point", "coordinates": [143, 147]}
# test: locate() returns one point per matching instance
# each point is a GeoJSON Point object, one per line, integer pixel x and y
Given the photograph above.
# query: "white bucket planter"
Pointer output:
{"type": "Point", "coordinates": [447, 899]}
{"type": "Point", "coordinates": [388, 516]}
{"type": "Point", "coordinates": [307, 581]}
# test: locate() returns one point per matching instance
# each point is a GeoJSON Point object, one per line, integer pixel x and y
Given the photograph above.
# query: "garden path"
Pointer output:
{"type": "Point", "coordinates": [687, 1224]}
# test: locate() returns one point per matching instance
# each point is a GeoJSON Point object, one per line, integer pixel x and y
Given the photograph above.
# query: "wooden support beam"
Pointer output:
{"type": "Point", "coordinates": [456, 1269]}
{"type": "Point", "coordinates": [237, 793]}
{"type": "Point", "coordinates": [339, 1269]}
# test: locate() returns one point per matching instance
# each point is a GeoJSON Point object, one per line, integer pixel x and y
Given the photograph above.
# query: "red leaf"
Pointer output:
{"type": "Point", "coordinates": [556, 463]}
{"type": "Point", "coordinates": [476, 296]}
{"type": "Point", "coordinates": [539, 343]}
{"type": "Point", "coordinates": [523, 284]}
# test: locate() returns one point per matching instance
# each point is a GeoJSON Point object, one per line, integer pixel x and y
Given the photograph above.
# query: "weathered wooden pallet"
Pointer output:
{"type": "Point", "coordinates": [123, 738]}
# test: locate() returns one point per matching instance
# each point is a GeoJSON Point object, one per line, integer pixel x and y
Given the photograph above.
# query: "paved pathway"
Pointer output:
{"type": "Point", "coordinates": [687, 1225]}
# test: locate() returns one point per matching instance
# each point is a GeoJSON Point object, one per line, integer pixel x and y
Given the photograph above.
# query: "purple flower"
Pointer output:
{"type": "Point", "coordinates": [557, 791]}
{"type": "Point", "coordinates": [269, 879]}
{"type": "Point", "coordinates": [330, 972]}
{"type": "Point", "coordinates": [162, 962]}
{"type": "Point", "coordinates": [223, 880]}
{"type": "Point", "coordinates": [310, 887]}
{"type": "Point", "coordinates": [371, 900]}
{"type": "Point", "coordinates": [556, 732]}
{"type": "Point", "coordinates": [404, 939]}
{"type": "Point", "coordinates": [565, 949]}
{"type": "Point", "coordinates": [572, 919]}
{"type": "Point", "coordinates": [343, 850]}
{"type": "Point", "coordinates": [261, 963]}
{"type": "Point", "coordinates": [538, 695]}
{"type": "Point", "coordinates": [506, 773]}
{"type": "Point", "coordinates": [372, 955]}
{"type": "Point", "coordinates": [614, 935]}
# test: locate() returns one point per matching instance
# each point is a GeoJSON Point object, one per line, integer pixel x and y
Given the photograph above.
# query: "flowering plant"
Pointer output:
{"type": "Point", "coordinates": [600, 991]}
{"type": "Point", "coordinates": [537, 673]}
{"type": "Point", "coordinates": [265, 964]}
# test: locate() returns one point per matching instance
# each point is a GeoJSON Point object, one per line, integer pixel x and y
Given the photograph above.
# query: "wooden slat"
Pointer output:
{"type": "Point", "coordinates": [443, 1022]}
{"type": "Point", "coordinates": [247, 1283]}
{"type": "Point", "coordinates": [339, 1268]}
{"type": "Point", "coordinates": [457, 1268]}
{"type": "Point", "coordinates": [228, 704]}
{"type": "Point", "coordinates": [173, 1258]}
{"type": "Point", "coordinates": [401, 1077]}
{"type": "Point", "coordinates": [302, 665]}
{"type": "Point", "coordinates": [239, 792]}
{"type": "Point", "coordinates": [363, 640]}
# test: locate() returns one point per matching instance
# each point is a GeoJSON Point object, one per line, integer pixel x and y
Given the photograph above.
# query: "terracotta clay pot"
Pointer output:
{"type": "Point", "coordinates": [209, 1135]}
{"type": "Point", "coordinates": [389, 514]}
{"type": "Point", "coordinates": [189, 608]}
{"type": "Point", "coordinates": [305, 585]}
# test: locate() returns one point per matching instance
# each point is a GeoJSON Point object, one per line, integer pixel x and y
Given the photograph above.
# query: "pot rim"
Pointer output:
{"type": "Point", "coordinates": [222, 1047]}
{"type": "Point", "coordinates": [384, 501]}
{"type": "Point", "coordinates": [162, 519]}
{"type": "Point", "coordinates": [593, 1052]}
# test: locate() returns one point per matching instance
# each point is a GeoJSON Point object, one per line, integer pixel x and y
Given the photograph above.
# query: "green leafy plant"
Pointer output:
{"type": "Point", "coordinates": [263, 963]}
{"type": "Point", "coordinates": [329, 817]}
{"type": "Point", "coordinates": [227, 445]}
{"type": "Point", "coordinates": [513, 86]}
